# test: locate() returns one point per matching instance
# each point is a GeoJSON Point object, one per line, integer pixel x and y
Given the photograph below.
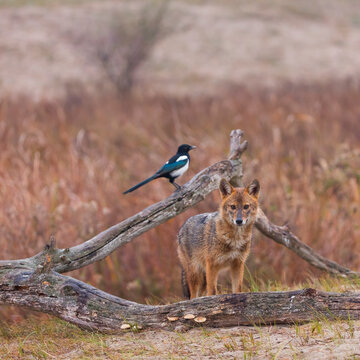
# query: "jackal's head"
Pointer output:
{"type": "Point", "coordinates": [239, 205]}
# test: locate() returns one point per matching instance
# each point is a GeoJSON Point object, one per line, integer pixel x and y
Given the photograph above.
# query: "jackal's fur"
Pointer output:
{"type": "Point", "coordinates": [210, 242]}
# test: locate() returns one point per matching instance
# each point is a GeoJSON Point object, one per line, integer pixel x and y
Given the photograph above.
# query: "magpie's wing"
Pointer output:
{"type": "Point", "coordinates": [171, 166]}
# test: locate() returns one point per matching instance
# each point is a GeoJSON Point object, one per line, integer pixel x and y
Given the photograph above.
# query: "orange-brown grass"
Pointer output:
{"type": "Point", "coordinates": [65, 164]}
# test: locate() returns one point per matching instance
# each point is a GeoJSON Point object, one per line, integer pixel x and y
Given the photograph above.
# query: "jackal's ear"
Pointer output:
{"type": "Point", "coordinates": [254, 188]}
{"type": "Point", "coordinates": [225, 188]}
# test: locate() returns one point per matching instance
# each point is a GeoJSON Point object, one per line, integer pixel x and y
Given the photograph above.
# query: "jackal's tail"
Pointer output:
{"type": "Point", "coordinates": [185, 285]}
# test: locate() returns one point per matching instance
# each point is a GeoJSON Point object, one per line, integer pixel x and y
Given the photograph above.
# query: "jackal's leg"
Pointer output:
{"type": "Point", "coordinates": [195, 283]}
{"type": "Point", "coordinates": [237, 275]}
{"type": "Point", "coordinates": [202, 291]}
{"type": "Point", "coordinates": [212, 272]}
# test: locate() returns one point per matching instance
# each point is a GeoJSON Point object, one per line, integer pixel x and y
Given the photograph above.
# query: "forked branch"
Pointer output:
{"type": "Point", "coordinates": [36, 283]}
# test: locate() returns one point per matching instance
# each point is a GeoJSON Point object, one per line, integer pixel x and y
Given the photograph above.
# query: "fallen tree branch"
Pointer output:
{"type": "Point", "coordinates": [90, 308]}
{"type": "Point", "coordinates": [282, 235]}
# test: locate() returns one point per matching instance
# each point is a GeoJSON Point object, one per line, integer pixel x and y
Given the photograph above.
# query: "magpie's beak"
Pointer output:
{"type": "Point", "coordinates": [192, 147]}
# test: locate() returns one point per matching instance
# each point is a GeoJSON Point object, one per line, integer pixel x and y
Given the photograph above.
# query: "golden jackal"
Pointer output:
{"type": "Point", "coordinates": [210, 242]}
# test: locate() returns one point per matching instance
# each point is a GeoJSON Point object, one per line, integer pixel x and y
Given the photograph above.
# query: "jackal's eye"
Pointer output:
{"type": "Point", "coordinates": [246, 206]}
{"type": "Point", "coordinates": [233, 207]}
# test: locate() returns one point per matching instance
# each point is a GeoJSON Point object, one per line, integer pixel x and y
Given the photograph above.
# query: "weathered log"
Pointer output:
{"type": "Point", "coordinates": [90, 308]}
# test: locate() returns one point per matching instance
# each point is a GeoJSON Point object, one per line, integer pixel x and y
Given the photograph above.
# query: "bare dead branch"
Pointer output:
{"type": "Point", "coordinates": [282, 235]}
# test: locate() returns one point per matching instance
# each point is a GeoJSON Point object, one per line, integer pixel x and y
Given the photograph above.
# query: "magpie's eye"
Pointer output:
{"type": "Point", "coordinates": [233, 207]}
{"type": "Point", "coordinates": [246, 206]}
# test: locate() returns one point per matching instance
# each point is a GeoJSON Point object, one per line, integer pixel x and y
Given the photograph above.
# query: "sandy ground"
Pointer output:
{"type": "Point", "coordinates": [52, 339]}
{"type": "Point", "coordinates": [205, 45]}
{"type": "Point", "coordinates": [313, 341]}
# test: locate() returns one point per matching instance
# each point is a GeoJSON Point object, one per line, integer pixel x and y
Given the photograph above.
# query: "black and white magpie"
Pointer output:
{"type": "Point", "coordinates": [173, 168]}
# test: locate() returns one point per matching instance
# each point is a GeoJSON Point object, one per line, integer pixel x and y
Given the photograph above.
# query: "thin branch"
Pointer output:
{"type": "Point", "coordinates": [282, 235]}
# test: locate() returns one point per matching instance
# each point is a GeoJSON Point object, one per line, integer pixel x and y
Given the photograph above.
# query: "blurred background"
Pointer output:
{"type": "Point", "coordinates": [96, 95]}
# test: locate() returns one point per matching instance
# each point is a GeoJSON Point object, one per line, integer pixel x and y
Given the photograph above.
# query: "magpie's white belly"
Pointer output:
{"type": "Point", "coordinates": [179, 172]}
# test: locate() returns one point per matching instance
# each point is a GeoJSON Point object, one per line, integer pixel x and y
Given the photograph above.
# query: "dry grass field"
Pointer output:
{"type": "Point", "coordinates": [65, 161]}
{"type": "Point", "coordinates": [65, 164]}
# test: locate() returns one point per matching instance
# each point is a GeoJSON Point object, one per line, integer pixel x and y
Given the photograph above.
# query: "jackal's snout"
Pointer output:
{"type": "Point", "coordinates": [239, 218]}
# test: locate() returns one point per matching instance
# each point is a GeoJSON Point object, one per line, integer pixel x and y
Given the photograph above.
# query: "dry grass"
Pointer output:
{"type": "Point", "coordinates": [64, 165]}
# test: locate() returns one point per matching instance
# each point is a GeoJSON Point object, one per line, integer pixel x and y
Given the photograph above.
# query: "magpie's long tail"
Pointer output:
{"type": "Point", "coordinates": [155, 176]}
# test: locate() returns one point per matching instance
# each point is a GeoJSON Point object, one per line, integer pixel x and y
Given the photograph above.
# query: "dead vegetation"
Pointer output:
{"type": "Point", "coordinates": [65, 164]}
